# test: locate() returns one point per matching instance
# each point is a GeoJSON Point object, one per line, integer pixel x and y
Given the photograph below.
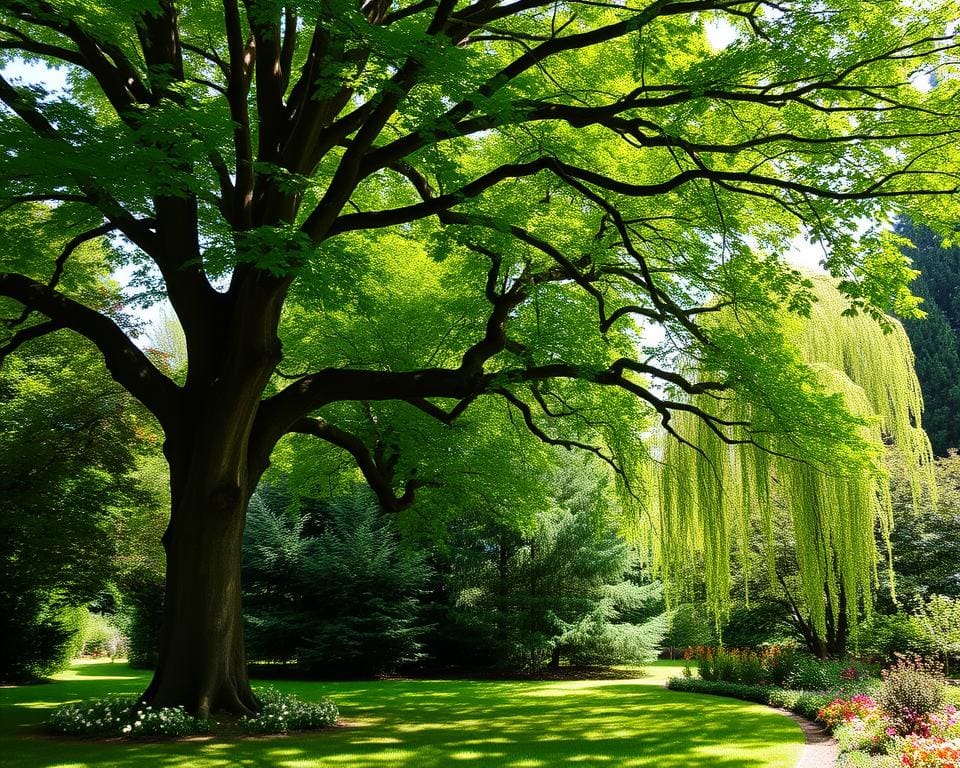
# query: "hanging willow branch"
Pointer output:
{"type": "Point", "coordinates": [853, 390]}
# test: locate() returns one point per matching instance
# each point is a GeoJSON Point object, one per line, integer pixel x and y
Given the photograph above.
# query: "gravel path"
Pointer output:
{"type": "Point", "coordinates": [820, 750]}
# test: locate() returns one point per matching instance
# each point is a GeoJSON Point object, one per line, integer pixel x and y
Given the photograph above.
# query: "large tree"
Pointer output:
{"type": "Point", "coordinates": [572, 170]}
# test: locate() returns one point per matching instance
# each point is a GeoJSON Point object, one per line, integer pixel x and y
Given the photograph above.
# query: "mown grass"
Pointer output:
{"type": "Point", "coordinates": [427, 723]}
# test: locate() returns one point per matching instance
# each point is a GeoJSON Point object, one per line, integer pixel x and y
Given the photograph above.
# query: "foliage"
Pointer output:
{"type": "Point", "coordinates": [782, 666]}
{"type": "Point", "coordinates": [68, 474]}
{"type": "Point", "coordinates": [858, 373]}
{"type": "Point", "coordinates": [101, 637]}
{"type": "Point", "coordinates": [761, 623]}
{"type": "Point", "coordinates": [330, 586]}
{"type": "Point", "coordinates": [745, 691]}
{"type": "Point", "coordinates": [810, 674]}
{"type": "Point", "coordinates": [689, 627]}
{"type": "Point", "coordinates": [912, 689]}
{"type": "Point", "coordinates": [283, 712]}
{"type": "Point", "coordinates": [38, 639]}
{"type": "Point", "coordinates": [936, 339]}
{"type": "Point", "coordinates": [567, 588]}
{"type": "Point", "coordinates": [885, 636]}
{"type": "Point", "coordinates": [926, 549]}
{"type": "Point", "coordinates": [805, 703]}
{"type": "Point", "coordinates": [940, 618]}
{"type": "Point", "coordinates": [126, 717]}
{"type": "Point", "coordinates": [140, 618]}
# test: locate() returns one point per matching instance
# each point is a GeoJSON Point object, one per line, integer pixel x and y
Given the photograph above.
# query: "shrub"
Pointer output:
{"type": "Point", "coordinates": [862, 735]}
{"type": "Point", "coordinates": [124, 717]}
{"type": "Point", "coordinates": [810, 674]}
{"type": "Point", "coordinates": [729, 665]}
{"type": "Point", "coordinates": [884, 637]}
{"type": "Point", "coordinates": [739, 665]}
{"type": "Point", "coordinates": [36, 639]}
{"type": "Point", "coordinates": [806, 703]}
{"type": "Point", "coordinates": [282, 712]}
{"type": "Point", "coordinates": [758, 693]}
{"type": "Point", "coordinates": [778, 662]}
{"type": "Point", "coordinates": [143, 614]}
{"type": "Point", "coordinates": [690, 627]}
{"type": "Point", "coordinates": [912, 690]}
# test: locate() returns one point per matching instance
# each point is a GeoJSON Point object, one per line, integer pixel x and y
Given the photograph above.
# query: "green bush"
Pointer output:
{"type": "Point", "coordinates": [806, 703]}
{"type": "Point", "coordinates": [36, 639]}
{"type": "Point", "coordinates": [771, 665]}
{"type": "Point", "coordinates": [912, 689]}
{"type": "Point", "coordinates": [757, 693]}
{"type": "Point", "coordinates": [283, 712]}
{"type": "Point", "coordinates": [863, 736]}
{"type": "Point", "coordinates": [810, 674]}
{"type": "Point", "coordinates": [885, 636]}
{"type": "Point", "coordinates": [141, 619]}
{"type": "Point", "coordinates": [690, 627]}
{"type": "Point", "coordinates": [125, 717]}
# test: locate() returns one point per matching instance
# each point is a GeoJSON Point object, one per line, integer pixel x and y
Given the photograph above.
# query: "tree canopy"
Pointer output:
{"type": "Point", "coordinates": [436, 204]}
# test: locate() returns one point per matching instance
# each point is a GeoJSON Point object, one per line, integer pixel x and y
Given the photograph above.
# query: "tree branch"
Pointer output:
{"type": "Point", "coordinates": [379, 477]}
{"type": "Point", "coordinates": [128, 365]}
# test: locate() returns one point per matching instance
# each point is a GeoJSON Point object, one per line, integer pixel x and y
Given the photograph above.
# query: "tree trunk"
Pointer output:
{"type": "Point", "coordinates": [554, 658]}
{"type": "Point", "coordinates": [202, 664]}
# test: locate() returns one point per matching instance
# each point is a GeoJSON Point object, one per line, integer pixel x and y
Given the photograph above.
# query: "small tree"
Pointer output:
{"type": "Point", "coordinates": [562, 588]}
{"type": "Point", "coordinates": [940, 618]}
{"type": "Point", "coordinates": [330, 586]}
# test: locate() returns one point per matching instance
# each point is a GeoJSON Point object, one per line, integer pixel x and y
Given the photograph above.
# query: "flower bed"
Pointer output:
{"type": "Point", "coordinates": [126, 717]}
{"type": "Point", "coordinates": [906, 719]}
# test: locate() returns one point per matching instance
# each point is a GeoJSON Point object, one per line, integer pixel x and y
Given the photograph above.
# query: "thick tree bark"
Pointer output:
{"type": "Point", "coordinates": [213, 473]}
{"type": "Point", "coordinates": [202, 664]}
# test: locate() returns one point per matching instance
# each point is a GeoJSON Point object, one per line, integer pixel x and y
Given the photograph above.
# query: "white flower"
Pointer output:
{"type": "Point", "coordinates": [127, 728]}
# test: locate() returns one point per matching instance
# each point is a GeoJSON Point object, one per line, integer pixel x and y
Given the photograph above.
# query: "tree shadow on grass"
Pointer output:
{"type": "Point", "coordinates": [429, 724]}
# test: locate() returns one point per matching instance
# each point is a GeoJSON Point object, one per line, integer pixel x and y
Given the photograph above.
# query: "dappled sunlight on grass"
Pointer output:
{"type": "Point", "coordinates": [431, 724]}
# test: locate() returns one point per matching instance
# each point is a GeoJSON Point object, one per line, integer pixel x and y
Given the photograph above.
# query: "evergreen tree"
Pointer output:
{"type": "Point", "coordinates": [562, 589]}
{"type": "Point", "coordinates": [329, 586]}
{"type": "Point", "coordinates": [936, 340]}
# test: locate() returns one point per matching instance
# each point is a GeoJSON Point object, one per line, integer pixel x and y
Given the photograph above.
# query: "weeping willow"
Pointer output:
{"type": "Point", "coordinates": [816, 399]}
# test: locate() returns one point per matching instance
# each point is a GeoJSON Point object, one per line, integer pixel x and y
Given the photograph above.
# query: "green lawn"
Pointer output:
{"type": "Point", "coordinates": [434, 723]}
